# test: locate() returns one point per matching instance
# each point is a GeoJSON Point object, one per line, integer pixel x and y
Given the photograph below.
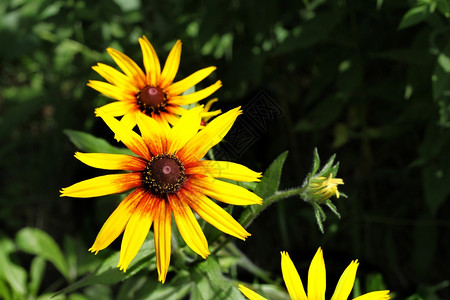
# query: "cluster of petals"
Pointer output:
{"type": "Point", "coordinates": [317, 282]}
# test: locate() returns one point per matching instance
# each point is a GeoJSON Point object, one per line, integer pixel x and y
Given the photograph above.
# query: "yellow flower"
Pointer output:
{"type": "Point", "coordinates": [169, 177]}
{"type": "Point", "coordinates": [325, 187]}
{"type": "Point", "coordinates": [152, 92]}
{"type": "Point", "coordinates": [316, 282]}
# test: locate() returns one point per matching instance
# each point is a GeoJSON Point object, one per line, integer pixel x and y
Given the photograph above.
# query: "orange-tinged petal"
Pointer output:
{"type": "Point", "coordinates": [103, 185]}
{"type": "Point", "coordinates": [136, 231]}
{"type": "Point", "coordinates": [186, 127]}
{"type": "Point", "coordinates": [171, 66]}
{"type": "Point", "coordinates": [151, 61]}
{"type": "Point", "coordinates": [223, 169]}
{"type": "Point", "coordinates": [188, 82]}
{"type": "Point", "coordinates": [345, 283]}
{"type": "Point", "coordinates": [115, 77]}
{"type": "Point", "coordinates": [112, 161]}
{"type": "Point", "coordinates": [378, 295]}
{"type": "Point", "coordinates": [131, 139]}
{"type": "Point", "coordinates": [117, 221]}
{"type": "Point", "coordinates": [170, 118]}
{"type": "Point", "coordinates": [111, 91]}
{"type": "Point", "coordinates": [197, 96]}
{"type": "Point", "coordinates": [251, 295]}
{"type": "Point", "coordinates": [162, 231]}
{"type": "Point", "coordinates": [118, 108]}
{"type": "Point", "coordinates": [188, 226]}
{"type": "Point", "coordinates": [176, 110]}
{"type": "Point", "coordinates": [153, 133]}
{"type": "Point", "coordinates": [214, 214]}
{"type": "Point", "coordinates": [129, 67]}
{"type": "Point", "coordinates": [209, 136]}
{"type": "Point", "coordinates": [224, 191]}
{"type": "Point", "coordinates": [292, 279]}
{"type": "Point", "coordinates": [317, 277]}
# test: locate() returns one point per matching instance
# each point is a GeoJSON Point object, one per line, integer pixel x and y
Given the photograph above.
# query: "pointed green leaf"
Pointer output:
{"type": "Point", "coordinates": [14, 274]}
{"type": "Point", "coordinates": [108, 273]}
{"type": "Point", "coordinates": [37, 270]}
{"type": "Point", "coordinates": [332, 207]}
{"type": "Point", "coordinates": [37, 242]}
{"type": "Point", "coordinates": [316, 162]}
{"type": "Point", "coordinates": [89, 143]}
{"type": "Point", "coordinates": [271, 178]}
{"type": "Point", "coordinates": [414, 16]}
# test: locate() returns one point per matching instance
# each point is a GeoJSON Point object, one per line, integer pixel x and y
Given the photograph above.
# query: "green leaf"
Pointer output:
{"type": "Point", "coordinates": [271, 179]}
{"type": "Point", "coordinates": [14, 274]}
{"type": "Point", "coordinates": [37, 270]}
{"type": "Point", "coordinates": [89, 143]}
{"type": "Point", "coordinates": [209, 283]}
{"type": "Point", "coordinates": [444, 7]}
{"type": "Point", "coordinates": [316, 162]}
{"type": "Point", "coordinates": [414, 16]}
{"type": "Point", "coordinates": [37, 242]}
{"type": "Point", "coordinates": [108, 273]}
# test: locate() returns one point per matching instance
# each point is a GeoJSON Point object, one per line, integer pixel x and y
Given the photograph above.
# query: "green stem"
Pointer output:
{"type": "Point", "coordinates": [249, 215]}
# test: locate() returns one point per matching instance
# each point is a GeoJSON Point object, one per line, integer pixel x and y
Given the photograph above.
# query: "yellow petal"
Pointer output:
{"type": "Point", "coordinates": [151, 61]}
{"type": "Point", "coordinates": [176, 110]}
{"type": "Point", "coordinates": [195, 97]}
{"type": "Point", "coordinates": [162, 231]}
{"type": "Point", "coordinates": [129, 120]}
{"type": "Point", "coordinates": [153, 134]}
{"type": "Point", "coordinates": [103, 185]}
{"type": "Point", "coordinates": [188, 226]}
{"type": "Point", "coordinates": [188, 82]}
{"type": "Point", "coordinates": [224, 169]}
{"type": "Point", "coordinates": [213, 214]}
{"type": "Point", "coordinates": [209, 136]}
{"type": "Point", "coordinates": [112, 161]}
{"type": "Point", "coordinates": [292, 279]}
{"type": "Point", "coordinates": [111, 91]}
{"type": "Point", "coordinates": [170, 118]}
{"type": "Point", "coordinates": [251, 295]}
{"type": "Point", "coordinates": [171, 66]}
{"type": "Point", "coordinates": [129, 67]}
{"type": "Point", "coordinates": [130, 138]}
{"type": "Point", "coordinates": [118, 108]}
{"type": "Point", "coordinates": [378, 295]}
{"type": "Point", "coordinates": [117, 221]}
{"type": "Point", "coordinates": [136, 231]}
{"type": "Point", "coordinates": [345, 283]}
{"type": "Point", "coordinates": [224, 191]}
{"type": "Point", "coordinates": [115, 77]}
{"type": "Point", "coordinates": [316, 277]}
{"type": "Point", "coordinates": [186, 127]}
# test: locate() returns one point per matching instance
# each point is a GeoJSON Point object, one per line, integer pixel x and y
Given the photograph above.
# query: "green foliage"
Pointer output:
{"type": "Point", "coordinates": [367, 80]}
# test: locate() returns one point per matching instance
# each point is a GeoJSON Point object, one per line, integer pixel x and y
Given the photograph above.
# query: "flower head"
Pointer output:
{"type": "Point", "coordinates": [325, 187]}
{"type": "Point", "coordinates": [169, 177]}
{"type": "Point", "coordinates": [153, 92]}
{"type": "Point", "coordinates": [317, 282]}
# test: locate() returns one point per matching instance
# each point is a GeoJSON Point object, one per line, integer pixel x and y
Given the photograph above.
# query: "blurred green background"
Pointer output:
{"type": "Point", "coordinates": [367, 80]}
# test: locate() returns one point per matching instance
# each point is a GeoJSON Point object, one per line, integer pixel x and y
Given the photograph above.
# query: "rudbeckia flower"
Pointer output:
{"type": "Point", "coordinates": [317, 282]}
{"type": "Point", "coordinates": [153, 92]}
{"type": "Point", "coordinates": [168, 178]}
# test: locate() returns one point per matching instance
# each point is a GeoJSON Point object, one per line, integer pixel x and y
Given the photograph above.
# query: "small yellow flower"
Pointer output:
{"type": "Point", "coordinates": [325, 187]}
{"type": "Point", "coordinates": [153, 92]}
{"type": "Point", "coordinates": [169, 177]}
{"type": "Point", "coordinates": [317, 282]}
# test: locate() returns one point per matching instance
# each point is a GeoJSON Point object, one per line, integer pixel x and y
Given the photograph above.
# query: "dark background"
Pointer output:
{"type": "Point", "coordinates": [367, 80]}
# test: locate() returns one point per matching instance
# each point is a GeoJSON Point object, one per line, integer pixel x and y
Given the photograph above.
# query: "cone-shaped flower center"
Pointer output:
{"type": "Point", "coordinates": [164, 174]}
{"type": "Point", "coordinates": [152, 99]}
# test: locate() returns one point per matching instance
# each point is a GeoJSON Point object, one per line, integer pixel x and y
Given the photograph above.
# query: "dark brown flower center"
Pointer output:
{"type": "Point", "coordinates": [152, 99]}
{"type": "Point", "coordinates": [164, 174]}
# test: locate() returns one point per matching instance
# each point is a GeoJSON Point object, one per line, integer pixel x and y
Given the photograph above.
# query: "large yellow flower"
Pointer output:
{"type": "Point", "coordinates": [152, 92]}
{"type": "Point", "coordinates": [316, 282]}
{"type": "Point", "coordinates": [169, 177]}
